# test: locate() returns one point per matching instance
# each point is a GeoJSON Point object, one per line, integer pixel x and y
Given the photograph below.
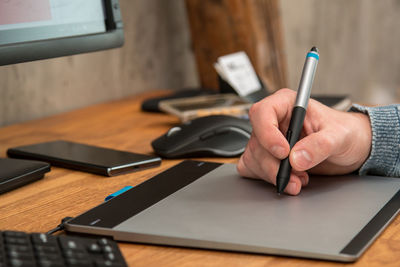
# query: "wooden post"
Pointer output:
{"type": "Point", "coordinates": [220, 27]}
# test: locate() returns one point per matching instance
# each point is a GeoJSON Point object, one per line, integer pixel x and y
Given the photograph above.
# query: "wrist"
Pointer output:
{"type": "Point", "coordinates": [363, 137]}
{"type": "Point", "coordinates": [385, 147]}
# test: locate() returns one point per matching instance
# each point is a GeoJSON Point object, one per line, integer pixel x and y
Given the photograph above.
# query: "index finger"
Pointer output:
{"type": "Point", "coordinates": [266, 117]}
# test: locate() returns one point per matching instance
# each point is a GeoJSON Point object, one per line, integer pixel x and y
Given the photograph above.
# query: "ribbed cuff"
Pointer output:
{"type": "Point", "coordinates": [385, 149]}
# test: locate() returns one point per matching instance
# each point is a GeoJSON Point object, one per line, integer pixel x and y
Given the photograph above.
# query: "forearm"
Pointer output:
{"type": "Point", "coordinates": [385, 149]}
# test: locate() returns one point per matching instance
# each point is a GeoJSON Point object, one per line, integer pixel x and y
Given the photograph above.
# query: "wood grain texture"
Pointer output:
{"type": "Point", "coordinates": [156, 54]}
{"type": "Point", "coordinates": [220, 27]}
{"type": "Point", "coordinates": [39, 207]}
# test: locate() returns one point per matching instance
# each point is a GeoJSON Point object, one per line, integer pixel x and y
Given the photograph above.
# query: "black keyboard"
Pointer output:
{"type": "Point", "coordinates": [41, 250]}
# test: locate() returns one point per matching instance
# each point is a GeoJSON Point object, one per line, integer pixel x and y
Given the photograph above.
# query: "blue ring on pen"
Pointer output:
{"type": "Point", "coordinates": [314, 55]}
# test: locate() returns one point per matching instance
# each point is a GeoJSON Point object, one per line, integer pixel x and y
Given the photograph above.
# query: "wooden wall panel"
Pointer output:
{"type": "Point", "coordinates": [220, 27]}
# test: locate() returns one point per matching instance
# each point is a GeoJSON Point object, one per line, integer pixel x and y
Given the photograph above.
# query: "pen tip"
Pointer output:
{"type": "Point", "coordinates": [314, 49]}
{"type": "Point", "coordinates": [280, 187]}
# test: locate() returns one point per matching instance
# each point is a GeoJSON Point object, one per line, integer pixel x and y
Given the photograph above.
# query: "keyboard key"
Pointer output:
{"type": "Point", "coordinates": [107, 249]}
{"type": "Point", "coordinates": [78, 263]}
{"type": "Point", "coordinates": [69, 243]}
{"type": "Point", "coordinates": [94, 248]}
{"type": "Point", "coordinates": [110, 257]}
{"type": "Point", "coordinates": [43, 240]}
{"type": "Point", "coordinates": [47, 249]}
{"type": "Point", "coordinates": [21, 263]}
{"type": "Point", "coordinates": [49, 256]}
{"type": "Point", "coordinates": [19, 255]}
{"type": "Point", "coordinates": [20, 248]}
{"type": "Point", "coordinates": [103, 242]}
{"type": "Point", "coordinates": [15, 234]}
{"type": "Point", "coordinates": [17, 240]}
{"type": "Point", "coordinates": [74, 254]}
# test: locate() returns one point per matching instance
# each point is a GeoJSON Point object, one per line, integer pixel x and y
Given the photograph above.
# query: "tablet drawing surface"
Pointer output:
{"type": "Point", "coordinates": [333, 218]}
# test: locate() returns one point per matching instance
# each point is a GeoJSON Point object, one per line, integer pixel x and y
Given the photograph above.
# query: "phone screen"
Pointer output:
{"type": "Point", "coordinates": [87, 158]}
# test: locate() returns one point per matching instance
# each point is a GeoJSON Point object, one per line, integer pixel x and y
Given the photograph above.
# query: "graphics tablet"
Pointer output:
{"type": "Point", "coordinates": [208, 205]}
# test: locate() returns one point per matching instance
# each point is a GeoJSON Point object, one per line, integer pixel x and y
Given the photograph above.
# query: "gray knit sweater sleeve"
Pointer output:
{"type": "Point", "coordinates": [385, 151]}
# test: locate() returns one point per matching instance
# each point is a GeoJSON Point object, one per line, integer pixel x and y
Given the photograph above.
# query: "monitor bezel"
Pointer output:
{"type": "Point", "coordinates": [113, 37]}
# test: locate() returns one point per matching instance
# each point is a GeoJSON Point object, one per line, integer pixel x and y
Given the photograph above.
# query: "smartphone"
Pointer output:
{"type": "Point", "coordinates": [87, 158]}
{"type": "Point", "coordinates": [192, 107]}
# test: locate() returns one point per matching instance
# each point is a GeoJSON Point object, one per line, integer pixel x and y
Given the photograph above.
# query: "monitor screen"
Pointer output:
{"type": "Point", "coordinates": [39, 29]}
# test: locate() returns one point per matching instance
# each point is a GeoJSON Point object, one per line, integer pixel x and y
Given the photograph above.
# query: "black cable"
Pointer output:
{"type": "Point", "coordinates": [61, 226]}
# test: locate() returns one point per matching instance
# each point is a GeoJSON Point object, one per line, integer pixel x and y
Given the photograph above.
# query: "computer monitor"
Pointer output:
{"type": "Point", "coordinates": [40, 29]}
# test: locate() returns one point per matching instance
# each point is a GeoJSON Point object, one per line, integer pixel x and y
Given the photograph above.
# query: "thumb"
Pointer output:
{"type": "Point", "coordinates": [312, 150]}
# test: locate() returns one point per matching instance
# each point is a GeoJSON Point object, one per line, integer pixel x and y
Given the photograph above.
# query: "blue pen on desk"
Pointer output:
{"type": "Point", "coordinates": [298, 114]}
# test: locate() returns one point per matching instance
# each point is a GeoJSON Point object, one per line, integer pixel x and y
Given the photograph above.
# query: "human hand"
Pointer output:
{"type": "Point", "coordinates": [332, 142]}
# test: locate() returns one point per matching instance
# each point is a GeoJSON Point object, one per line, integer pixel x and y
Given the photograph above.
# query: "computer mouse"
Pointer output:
{"type": "Point", "coordinates": [209, 136]}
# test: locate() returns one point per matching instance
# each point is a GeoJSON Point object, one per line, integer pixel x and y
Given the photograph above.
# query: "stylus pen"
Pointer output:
{"type": "Point", "coordinates": [298, 114]}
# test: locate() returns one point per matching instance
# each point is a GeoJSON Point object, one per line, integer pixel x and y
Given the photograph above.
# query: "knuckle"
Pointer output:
{"type": "Point", "coordinates": [246, 158]}
{"type": "Point", "coordinates": [240, 167]}
{"type": "Point", "coordinates": [285, 91]}
{"type": "Point", "coordinates": [346, 131]}
{"type": "Point", "coordinates": [252, 146]}
{"type": "Point", "coordinates": [326, 143]}
{"type": "Point", "coordinates": [254, 109]}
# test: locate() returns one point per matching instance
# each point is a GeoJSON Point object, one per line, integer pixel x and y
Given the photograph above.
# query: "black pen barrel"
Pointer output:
{"type": "Point", "coordinates": [292, 136]}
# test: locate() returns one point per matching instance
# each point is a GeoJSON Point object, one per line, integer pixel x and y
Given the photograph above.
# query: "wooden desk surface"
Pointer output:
{"type": "Point", "coordinates": [40, 206]}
